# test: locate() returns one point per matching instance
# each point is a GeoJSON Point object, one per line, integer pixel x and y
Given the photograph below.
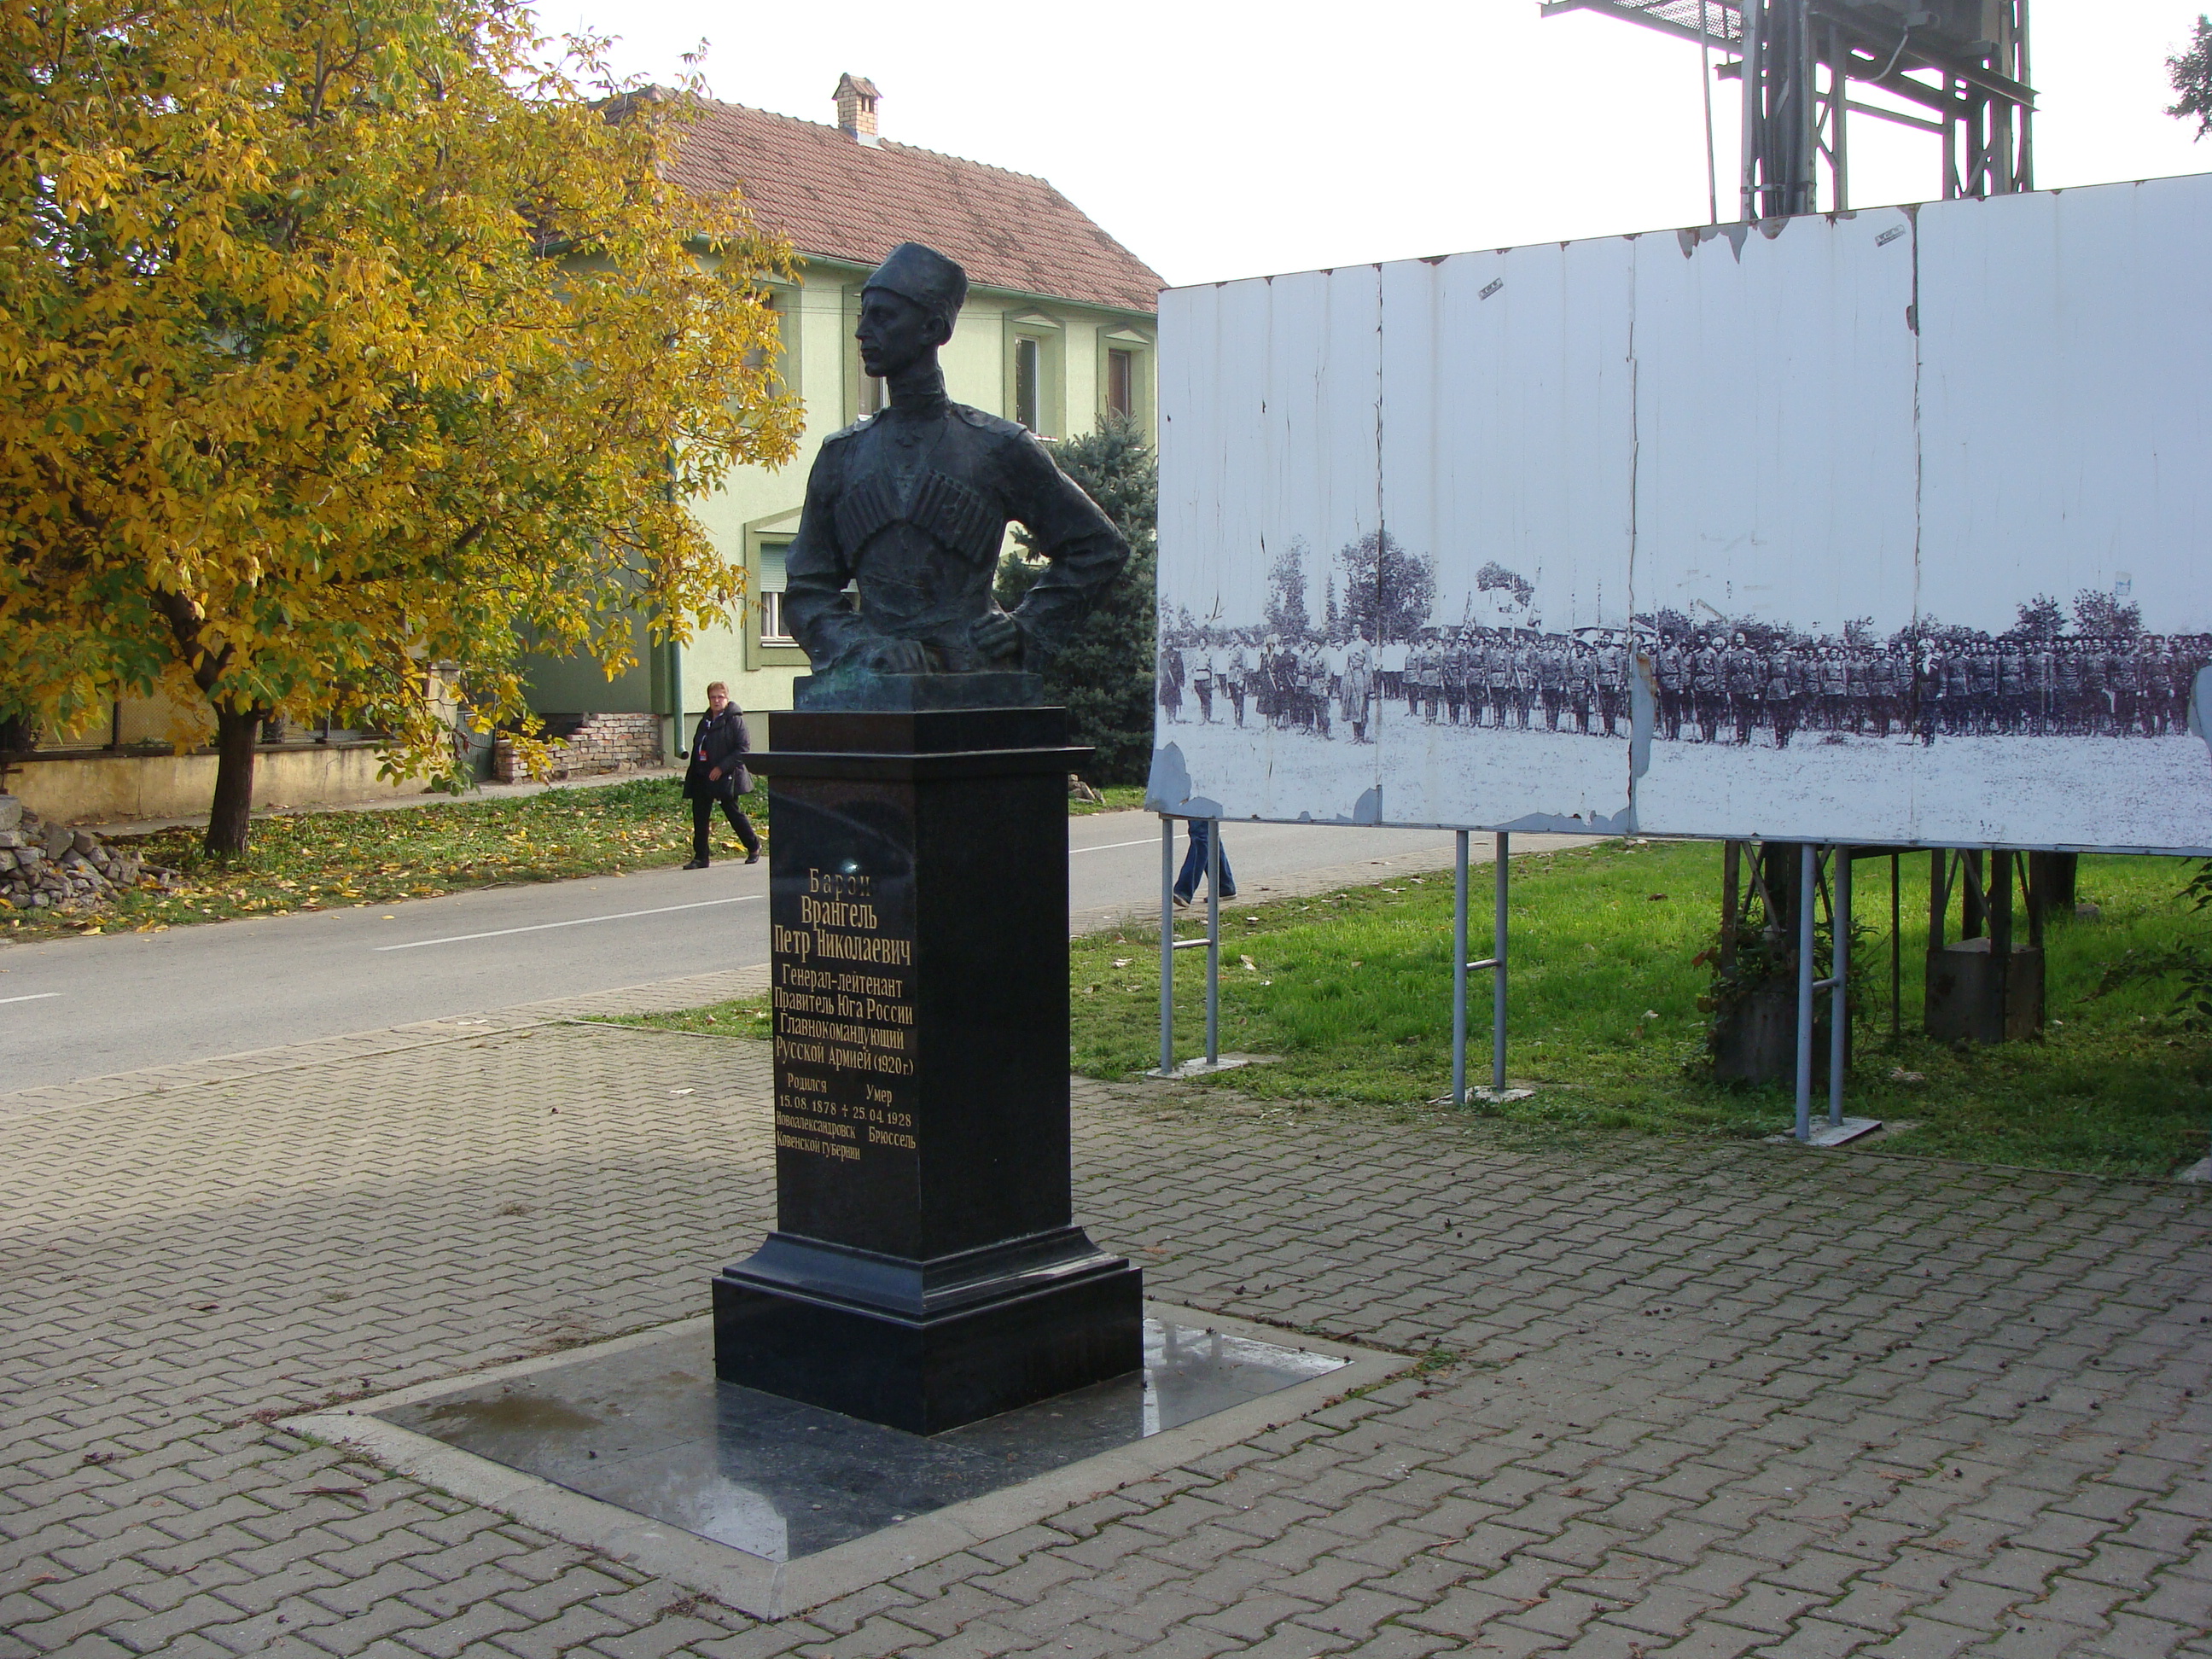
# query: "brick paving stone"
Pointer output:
{"type": "Point", "coordinates": [1659, 1435]}
{"type": "Point", "coordinates": [1398, 1642]}
{"type": "Point", "coordinates": [1296, 1641]}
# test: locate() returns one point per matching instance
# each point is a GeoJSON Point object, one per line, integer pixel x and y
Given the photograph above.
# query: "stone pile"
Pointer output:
{"type": "Point", "coordinates": [52, 867]}
{"type": "Point", "coordinates": [599, 744]}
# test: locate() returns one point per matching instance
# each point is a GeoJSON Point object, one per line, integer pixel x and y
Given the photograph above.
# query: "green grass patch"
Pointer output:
{"type": "Point", "coordinates": [1352, 990]}
{"type": "Point", "coordinates": [324, 861]}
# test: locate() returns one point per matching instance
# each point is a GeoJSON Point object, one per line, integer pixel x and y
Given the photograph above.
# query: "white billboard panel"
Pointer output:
{"type": "Point", "coordinates": [1775, 478]}
{"type": "Point", "coordinates": [1881, 527]}
{"type": "Point", "coordinates": [2066, 420]}
{"type": "Point", "coordinates": [1275, 385]}
{"type": "Point", "coordinates": [1507, 469]}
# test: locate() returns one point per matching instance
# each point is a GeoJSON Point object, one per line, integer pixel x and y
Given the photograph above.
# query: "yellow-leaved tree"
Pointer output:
{"type": "Point", "coordinates": [343, 349]}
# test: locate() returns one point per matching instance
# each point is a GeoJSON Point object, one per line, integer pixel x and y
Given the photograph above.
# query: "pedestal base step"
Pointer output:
{"type": "Point", "coordinates": [896, 1344]}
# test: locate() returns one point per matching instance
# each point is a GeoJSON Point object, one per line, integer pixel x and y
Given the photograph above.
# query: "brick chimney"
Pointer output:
{"type": "Point", "coordinates": [856, 98]}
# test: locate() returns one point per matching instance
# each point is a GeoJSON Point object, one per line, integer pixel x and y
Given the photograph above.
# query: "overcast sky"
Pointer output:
{"type": "Point", "coordinates": [1221, 140]}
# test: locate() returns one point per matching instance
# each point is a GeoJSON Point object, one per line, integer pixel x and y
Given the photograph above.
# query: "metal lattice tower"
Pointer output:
{"type": "Point", "coordinates": [1960, 67]}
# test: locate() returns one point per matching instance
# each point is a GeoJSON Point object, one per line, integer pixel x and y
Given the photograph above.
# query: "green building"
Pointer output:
{"type": "Point", "coordinates": [1061, 328]}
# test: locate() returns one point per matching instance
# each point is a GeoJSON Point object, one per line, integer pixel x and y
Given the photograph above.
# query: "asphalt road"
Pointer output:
{"type": "Point", "coordinates": [84, 1008]}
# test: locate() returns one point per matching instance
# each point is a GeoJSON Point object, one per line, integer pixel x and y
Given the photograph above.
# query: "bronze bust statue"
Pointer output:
{"type": "Point", "coordinates": [910, 506]}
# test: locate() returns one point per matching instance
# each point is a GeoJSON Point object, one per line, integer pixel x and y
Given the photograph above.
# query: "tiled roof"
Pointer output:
{"type": "Point", "coordinates": [837, 198]}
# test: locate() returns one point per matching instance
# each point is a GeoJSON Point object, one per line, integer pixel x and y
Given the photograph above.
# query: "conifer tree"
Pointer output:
{"type": "Point", "coordinates": [1104, 674]}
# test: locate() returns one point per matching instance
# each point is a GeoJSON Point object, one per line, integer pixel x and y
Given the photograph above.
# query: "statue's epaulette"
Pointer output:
{"type": "Point", "coordinates": [847, 431]}
{"type": "Point", "coordinates": [985, 421]}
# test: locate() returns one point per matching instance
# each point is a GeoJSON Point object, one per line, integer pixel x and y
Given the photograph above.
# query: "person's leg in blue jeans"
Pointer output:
{"type": "Point", "coordinates": [1193, 865]}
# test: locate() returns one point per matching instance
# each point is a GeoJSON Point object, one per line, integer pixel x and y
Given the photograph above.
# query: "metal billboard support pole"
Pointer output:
{"type": "Point", "coordinates": [1896, 961]}
{"type": "Point", "coordinates": [1459, 969]}
{"type": "Point", "coordinates": [1167, 945]}
{"type": "Point", "coordinates": [1806, 856]}
{"type": "Point", "coordinates": [1839, 1129]}
{"type": "Point", "coordinates": [1839, 962]}
{"type": "Point", "coordinates": [1213, 942]}
{"type": "Point", "coordinates": [1211, 945]}
{"type": "Point", "coordinates": [1495, 963]}
{"type": "Point", "coordinates": [1497, 975]}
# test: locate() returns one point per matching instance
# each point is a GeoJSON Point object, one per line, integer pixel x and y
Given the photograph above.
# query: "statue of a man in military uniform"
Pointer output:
{"type": "Point", "coordinates": [910, 506]}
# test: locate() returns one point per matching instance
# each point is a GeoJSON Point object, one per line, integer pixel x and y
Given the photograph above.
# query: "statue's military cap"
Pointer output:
{"type": "Point", "coordinates": [925, 277]}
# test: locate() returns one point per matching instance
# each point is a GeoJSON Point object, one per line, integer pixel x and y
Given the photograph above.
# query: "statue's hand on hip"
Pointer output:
{"type": "Point", "coordinates": [998, 636]}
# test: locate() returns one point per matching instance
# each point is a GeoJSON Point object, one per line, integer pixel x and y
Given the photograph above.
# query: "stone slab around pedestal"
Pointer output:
{"type": "Point", "coordinates": [631, 1448]}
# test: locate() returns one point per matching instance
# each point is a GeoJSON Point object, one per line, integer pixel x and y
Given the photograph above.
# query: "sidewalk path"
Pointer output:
{"type": "Point", "coordinates": [1685, 1400]}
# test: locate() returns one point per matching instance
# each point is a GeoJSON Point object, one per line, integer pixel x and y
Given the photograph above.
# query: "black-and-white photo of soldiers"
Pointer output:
{"type": "Point", "coordinates": [1740, 685]}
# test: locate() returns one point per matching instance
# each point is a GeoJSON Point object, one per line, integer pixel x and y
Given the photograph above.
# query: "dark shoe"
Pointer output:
{"type": "Point", "coordinates": [753, 857]}
{"type": "Point", "coordinates": [1183, 900]}
{"type": "Point", "coordinates": [696, 864]}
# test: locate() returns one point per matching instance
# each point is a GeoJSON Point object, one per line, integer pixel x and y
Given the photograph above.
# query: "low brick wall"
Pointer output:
{"type": "Point", "coordinates": [602, 743]}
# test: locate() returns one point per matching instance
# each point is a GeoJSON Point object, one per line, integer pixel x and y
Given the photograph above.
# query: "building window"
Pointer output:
{"type": "Point", "coordinates": [1029, 380]}
{"type": "Point", "coordinates": [1121, 382]}
{"type": "Point", "coordinates": [773, 630]}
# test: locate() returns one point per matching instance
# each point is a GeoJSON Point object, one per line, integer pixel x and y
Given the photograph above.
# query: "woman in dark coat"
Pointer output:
{"type": "Point", "coordinates": [717, 773]}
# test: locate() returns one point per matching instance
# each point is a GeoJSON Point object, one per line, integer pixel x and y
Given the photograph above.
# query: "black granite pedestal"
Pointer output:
{"type": "Point", "coordinates": [925, 1271]}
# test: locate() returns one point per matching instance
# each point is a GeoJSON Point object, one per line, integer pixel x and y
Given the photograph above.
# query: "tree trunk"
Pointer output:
{"type": "Point", "coordinates": [236, 733]}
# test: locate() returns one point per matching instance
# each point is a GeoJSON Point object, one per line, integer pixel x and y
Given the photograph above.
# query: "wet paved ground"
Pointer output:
{"type": "Point", "coordinates": [1687, 1400]}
